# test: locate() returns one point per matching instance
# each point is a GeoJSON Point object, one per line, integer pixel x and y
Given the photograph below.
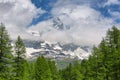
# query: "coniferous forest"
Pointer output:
{"type": "Point", "coordinates": [103, 64]}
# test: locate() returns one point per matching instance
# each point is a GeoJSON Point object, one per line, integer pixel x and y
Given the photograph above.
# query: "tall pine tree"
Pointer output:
{"type": "Point", "coordinates": [113, 39]}
{"type": "Point", "coordinates": [53, 70]}
{"type": "Point", "coordinates": [20, 61]}
{"type": "Point", "coordinates": [5, 54]}
{"type": "Point", "coordinates": [42, 69]}
{"type": "Point", "coordinates": [106, 58]}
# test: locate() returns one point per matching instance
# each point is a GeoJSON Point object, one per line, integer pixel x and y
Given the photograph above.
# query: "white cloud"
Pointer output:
{"type": "Point", "coordinates": [88, 26]}
{"type": "Point", "coordinates": [110, 2]}
{"type": "Point", "coordinates": [17, 15]}
{"type": "Point", "coordinates": [115, 14]}
{"type": "Point", "coordinates": [4, 1]}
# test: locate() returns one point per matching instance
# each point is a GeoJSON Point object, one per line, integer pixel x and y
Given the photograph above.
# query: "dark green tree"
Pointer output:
{"type": "Point", "coordinates": [72, 72]}
{"type": "Point", "coordinates": [75, 71]}
{"type": "Point", "coordinates": [42, 69]}
{"type": "Point", "coordinates": [106, 58]}
{"type": "Point", "coordinates": [20, 61]}
{"type": "Point", "coordinates": [113, 39]}
{"type": "Point", "coordinates": [53, 69]}
{"type": "Point", "coordinates": [84, 69]}
{"type": "Point", "coordinates": [5, 54]}
{"type": "Point", "coordinates": [66, 73]}
{"type": "Point", "coordinates": [31, 70]}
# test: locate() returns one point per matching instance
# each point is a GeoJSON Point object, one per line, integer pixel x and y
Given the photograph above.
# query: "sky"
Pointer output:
{"type": "Point", "coordinates": [89, 19]}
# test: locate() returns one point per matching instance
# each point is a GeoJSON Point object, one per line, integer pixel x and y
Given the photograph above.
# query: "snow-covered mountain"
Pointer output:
{"type": "Point", "coordinates": [55, 24]}
{"type": "Point", "coordinates": [55, 50]}
{"type": "Point", "coordinates": [59, 25]}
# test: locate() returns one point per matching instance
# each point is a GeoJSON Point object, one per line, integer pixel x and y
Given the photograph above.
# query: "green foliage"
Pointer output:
{"type": "Point", "coordinates": [104, 63]}
{"type": "Point", "coordinates": [20, 48]}
{"type": "Point", "coordinates": [31, 70]}
{"type": "Point", "coordinates": [5, 54]}
{"type": "Point", "coordinates": [72, 72]}
{"type": "Point", "coordinates": [21, 65]}
{"type": "Point", "coordinates": [42, 69]}
{"type": "Point", "coordinates": [75, 72]}
{"type": "Point", "coordinates": [53, 69]}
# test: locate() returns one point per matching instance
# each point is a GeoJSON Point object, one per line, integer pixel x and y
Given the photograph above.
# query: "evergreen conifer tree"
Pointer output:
{"type": "Point", "coordinates": [106, 58]}
{"type": "Point", "coordinates": [53, 70]}
{"type": "Point", "coordinates": [42, 69]}
{"type": "Point", "coordinates": [5, 54]}
{"type": "Point", "coordinates": [21, 72]}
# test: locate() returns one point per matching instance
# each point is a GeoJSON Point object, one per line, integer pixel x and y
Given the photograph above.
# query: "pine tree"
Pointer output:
{"type": "Point", "coordinates": [53, 70]}
{"type": "Point", "coordinates": [106, 58]}
{"type": "Point", "coordinates": [31, 70]}
{"type": "Point", "coordinates": [113, 39]}
{"type": "Point", "coordinates": [20, 61]}
{"type": "Point", "coordinates": [75, 71]}
{"type": "Point", "coordinates": [84, 69]}
{"type": "Point", "coordinates": [72, 72]}
{"type": "Point", "coordinates": [66, 73]}
{"type": "Point", "coordinates": [5, 54]}
{"type": "Point", "coordinates": [42, 69]}
{"type": "Point", "coordinates": [98, 70]}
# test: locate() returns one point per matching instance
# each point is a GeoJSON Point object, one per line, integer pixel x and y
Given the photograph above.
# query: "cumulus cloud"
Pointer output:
{"type": "Point", "coordinates": [110, 2]}
{"type": "Point", "coordinates": [88, 26]}
{"type": "Point", "coordinates": [17, 15]}
{"type": "Point", "coordinates": [115, 14]}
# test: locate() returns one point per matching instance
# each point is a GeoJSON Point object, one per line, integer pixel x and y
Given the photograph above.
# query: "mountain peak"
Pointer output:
{"type": "Point", "coordinates": [59, 25]}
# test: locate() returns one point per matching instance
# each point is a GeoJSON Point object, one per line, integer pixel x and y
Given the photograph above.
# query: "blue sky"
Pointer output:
{"type": "Point", "coordinates": [45, 5]}
{"type": "Point", "coordinates": [95, 4]}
